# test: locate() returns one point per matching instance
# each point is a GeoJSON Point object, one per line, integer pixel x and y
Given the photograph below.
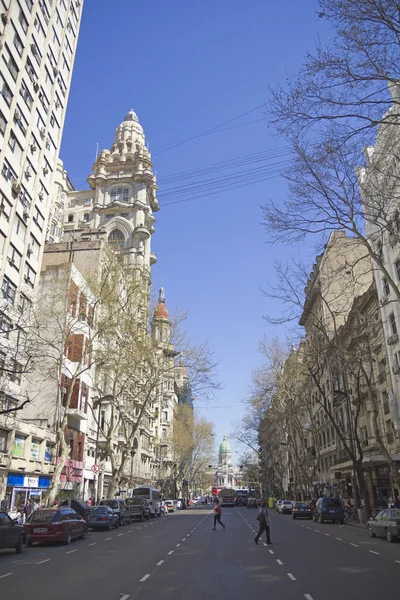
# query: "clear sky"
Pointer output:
{"type": "Point", "coordinates": [187, 67]}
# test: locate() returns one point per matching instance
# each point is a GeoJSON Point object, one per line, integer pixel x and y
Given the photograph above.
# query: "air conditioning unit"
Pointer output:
{"type": "Point", "coordinates": [55, 71]}
{"type": "Point", "coordinates": [4, 18]}
{"type": "Point", "coordinates": [63, 390]}
{"type": "Point", "coordinates": [33, 147]}
{"type": "Point", "coordinates": [11, 260]}
{"type": "Point", "coordinates": [45, 170]}
{"type": "Point", "coordinates": [28, 174]}
{"type": "Point", "coordinates": [29, 249]}
{"type": "Point", "coordinates": [41, 195]}
{"type": "Point", "coordinates": [25, 213]}
{"type": "Point", "coordinates": [35, 85]}
{"type": "Point", "coordinates": [42, 132]}
{"type": "Point", "coordinates": [26, 279]}
{"type": "Point", "coordinates": [17, 115]}
{"type": "Point", "coordinates": [57, 104]}
{"type": "Point", "coordinates": [16, 187]}
{"type": "Point", "coordinates": [34, 49]}
{"type": "Point", "coordinates": [48, 144]}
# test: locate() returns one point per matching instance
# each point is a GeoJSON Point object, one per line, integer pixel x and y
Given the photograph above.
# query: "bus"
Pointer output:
{"type": "Point", "coordinates": [153, 497]}
{"type": "Point", "coordinates": [227, 497]}
{"type": "Point", "coordinates": [241, 497]}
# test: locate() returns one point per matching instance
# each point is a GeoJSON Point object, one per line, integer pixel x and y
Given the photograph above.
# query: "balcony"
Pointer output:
{"type": "Point", "coordinates": [77, 419]}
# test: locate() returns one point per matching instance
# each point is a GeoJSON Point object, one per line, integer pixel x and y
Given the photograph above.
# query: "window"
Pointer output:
{"type": "Point", "coordinates": [15, 372]}
{"type": "Point", "coordinates": [165, 415]}
{"type": "Point", "coordinates": [14, 257]}
{"type": "Point", "coordinates": [38, 218]}
{"type": "Point", "coordinates": [3, 124]}
{"type": "Point", "coordinates": [20, 120]}
{"type": "Point", "coordinates": [386, 287]}
{"type": "Point", "coordinates": [13, 142]}
{"type": "Point", "coordinates": [33, 247]}
{"type": "Point", "coordinates": [18, 448]}
{"type": "Point", "coordinates": [11, 64]}
{"type": "Point", "coordinates": [35, 449]}
{"type": "Point", "coordinates": [29, 4]}
{"type": "Point", "coordinates": [24, 303]}
{"type": "Point", "coordinates": [8, 172]}
{"type": "Point", "coordinates": [117, 237]}
{"type": "Point", "coordinates": [5, 207]}
{"type": "Point", "coordinates": [36, 52]}
{"type": "Point", "coordinates": [70, 218]}
{"type": "Point", "coordinates": [29, 275]}
{"type": "Point", "coordinates": [397, 266]}
{"type": "Point", "coordinates": [86, 218]}
{"type": "Point", "coordinates": [3, 440]}
{"type": "Point", "coordinates": [5, 327]}
{"type": "Point", "coordinates": [22, 21]}
{"type": "Point", "coordinates": [392, 323]}
{"type": "Point", "coordinates": [8, 289]}
{"type": "Point", "coordinates": [19, 228]}
{"type": "Point", "coordinates": [18, 45]}
{"type": "Point", "coordinates": [24, 92]}
{"type": "Point", "coordinates": [6, 93]}
{"type": "Point", "coordinates": [38, 26]}
{"type": "Point", "coordinates": [119, 194]}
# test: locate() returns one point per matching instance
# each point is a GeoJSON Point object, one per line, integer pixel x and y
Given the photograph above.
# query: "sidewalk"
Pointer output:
{"type": "Point", "coordinates": [353, 523]}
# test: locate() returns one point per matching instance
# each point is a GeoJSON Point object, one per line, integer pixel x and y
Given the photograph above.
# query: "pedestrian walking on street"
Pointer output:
{"type": "Point", "coordinates": [217, 515]}
{"type": "Point", "coordinates": [27, 509]}
{"type": "Point", "coordinates": [263, 519]}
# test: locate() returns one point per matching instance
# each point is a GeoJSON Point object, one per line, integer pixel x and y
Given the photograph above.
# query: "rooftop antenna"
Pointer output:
{"type": "Point", "coordinates": [97, 150]}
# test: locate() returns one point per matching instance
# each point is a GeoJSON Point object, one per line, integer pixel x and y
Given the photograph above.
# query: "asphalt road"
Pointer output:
{"type": "Point", "coordinates": [180, 557]}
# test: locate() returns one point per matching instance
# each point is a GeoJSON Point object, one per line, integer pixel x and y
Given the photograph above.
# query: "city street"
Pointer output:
{"type": "Point", "coordinates": [180, 557]}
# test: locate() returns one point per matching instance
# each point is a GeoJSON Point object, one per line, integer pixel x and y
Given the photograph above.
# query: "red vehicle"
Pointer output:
{"type": "Point", "coordinates": [55, 525]}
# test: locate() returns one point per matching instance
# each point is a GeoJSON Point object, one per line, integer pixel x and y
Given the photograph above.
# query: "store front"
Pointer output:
{"type": "Point", "coordinates": [21, 488]}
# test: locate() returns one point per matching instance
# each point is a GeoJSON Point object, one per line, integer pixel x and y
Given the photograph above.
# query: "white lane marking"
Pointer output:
{"type": "Point", "coordinates": [279, 562]}
{"type": "Point", "coordinates": [340, 539]}
{"type": "Point", "coordinates": [271, 551]}
{"type": "Point", "coordinates": [177, 545]}
{"type": "Point", "coordinates": [303, 525]}
{"type": "Point", "coordinates": [398, 561]}
{"type": "Point", "coordinates": [129, 531]}
{"type": "Point", "coordinates": [94, 543]}
{"type": "Point", "coordinates": [71, 551]}
{"type": "Point", "coordinates": [138, 528]}
{"type": "Point", "coordinates": [355, 545]}
{"type": "Point", "coordinates": [188, 535]}
{"type": "Point", "coordinates": [183, 539]}
{"type": "Point", "coordinates": [308, 597]}
{"type": "Point", "coordinates": [144, 578]}
{"type": "Point", "coordinates": [291, 577]}
{"type": "Point", "coordinates": [317, 530]}
{"type": "Point", "coordinates": [373, 552]}
{"type": "Point", "coordinates": [160, 562]}
{"type": "Point", "coordinates": [170, 552]}
{"type": "Point", "coordinates": [106, 539]}
{"type": "Point", "coordinates": [6, 575]}
{"type": "Point", "coordinates": [124, 597]}
{"type": "Point", "coordinates": [327, 534]}
{"type": "Point", "coordinates": [43, 561]}
{"type": "Point", "coordinates": [265, 544]}
{"type": "Point", "coordinates": [119, 535]}
{"type": "Point", "coordinates": [308, 527]}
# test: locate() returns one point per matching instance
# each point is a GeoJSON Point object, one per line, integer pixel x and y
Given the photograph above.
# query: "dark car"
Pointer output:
{"type": "Point", "coordinates": [329, 509]}
{"type": "Point", "coordinates": [385, 524]}
{"type": "Point", "coordinates": [82, 509]}
{"type": "Point", "coordinates": [55, 525]}
{"type": "Point", "coordinates": [119, 507]}
{"type": "Point", "coordinates": [102, 517]}
{"type": "Point", "coordinates": [252, 503]}
{"type": "Point", "coordinates": [12, 535]}
{"type": "Point", "coordinates": [138, 508]}
{"type": "Point", "coordinates": [301, 510]}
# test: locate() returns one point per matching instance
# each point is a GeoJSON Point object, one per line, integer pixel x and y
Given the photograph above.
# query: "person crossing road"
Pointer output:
{"type": "Point", "coordinates": [263, 519]}
{"type": "Point", "coordinates": [217, 515]}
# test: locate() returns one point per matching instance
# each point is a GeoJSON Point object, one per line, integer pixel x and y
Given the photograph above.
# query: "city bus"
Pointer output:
{"type": "Point", "coordinates": [153, 497]}
{"type": "Point", "coordinates": [241, 497]}
{"type": "Point", "coordinates": [227, 497]}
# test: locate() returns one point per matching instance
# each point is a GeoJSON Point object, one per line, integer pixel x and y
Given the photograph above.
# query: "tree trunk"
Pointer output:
{"type": "Point", "coordinates": [55, 481]}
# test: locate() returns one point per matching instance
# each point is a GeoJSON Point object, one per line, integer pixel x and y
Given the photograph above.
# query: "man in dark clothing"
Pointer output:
{"type": "Point", "coordinates": [263, 519]}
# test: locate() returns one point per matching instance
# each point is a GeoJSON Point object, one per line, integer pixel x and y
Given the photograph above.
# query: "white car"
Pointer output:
{"type": "Point", "coordinates": [286, 506]}
{"type": "Point", "coordinates": [277, 505]}
{"type": "Point", "coordinates": [171, 506]}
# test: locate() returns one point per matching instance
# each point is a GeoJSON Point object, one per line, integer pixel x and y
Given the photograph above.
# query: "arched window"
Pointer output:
{"type": "Point", "coordinates": [120, 194]}
{"type": "Point", "coordinates": [70, 218]}
{"type": "Point", "coordinates": [117, 237]}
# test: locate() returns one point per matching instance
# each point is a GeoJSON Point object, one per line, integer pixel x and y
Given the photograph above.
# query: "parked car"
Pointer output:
{"type": "Point", "coordinates": [171, 506]}
{"type": "Point", "coordinates": [252, 503]}
{"type": "Point", "coordinates": [285, 507]}
{"type": "Point", "coordinates": [277, 505]}
{"type": "Point", "coordinates": [385, 524]}
{"type": "Point", "coordinates": [55, 525]}
{"type": "Point", "coordinates": [301, 510]}
{"type": "Point", "coordinates": [329, 509]}
{"type": "Point", "coordinates": [119, 508]}
{"type": "Point", "coordinates": [138, 508]}
{"type": "Point", "coordinates": [12, 535]}
{"type": "Point", "coordinates": [102, 517]}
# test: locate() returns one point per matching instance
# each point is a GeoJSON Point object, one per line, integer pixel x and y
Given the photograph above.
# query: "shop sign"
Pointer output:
{"type": "Point", "coordinates": [31, 482]}
{"type": "Point", "coordinates": [18, 446]}
{"type": "Point", "coordinates": [35, 449]}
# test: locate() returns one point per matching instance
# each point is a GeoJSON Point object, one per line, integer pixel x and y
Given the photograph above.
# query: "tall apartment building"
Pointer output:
{"type": "Point", "coordinates": [38, 41]}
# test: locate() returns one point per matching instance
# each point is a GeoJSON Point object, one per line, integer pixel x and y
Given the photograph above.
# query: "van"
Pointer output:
{"type": "Point", "coordinates": [329, 509]}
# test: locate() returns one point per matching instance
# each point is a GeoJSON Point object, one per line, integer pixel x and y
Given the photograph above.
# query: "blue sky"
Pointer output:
{"type": "Point", "coordinates": [187, 67]}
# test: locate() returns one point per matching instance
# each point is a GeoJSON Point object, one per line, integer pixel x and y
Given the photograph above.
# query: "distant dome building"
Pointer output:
{"type": "Point", "coordinates": [226, 475]}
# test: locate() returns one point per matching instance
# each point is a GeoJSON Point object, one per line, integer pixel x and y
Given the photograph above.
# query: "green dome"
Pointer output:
{"type": "Point", "coordinates": [224, 446]}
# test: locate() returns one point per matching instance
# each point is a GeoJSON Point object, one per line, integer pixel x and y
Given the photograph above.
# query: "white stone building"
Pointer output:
{"type": "Point", "coordinates": [226, 474]}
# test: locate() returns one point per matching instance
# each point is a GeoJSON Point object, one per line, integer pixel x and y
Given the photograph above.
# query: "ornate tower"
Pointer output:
{"type": "Point", "coordinates": [161, 325]}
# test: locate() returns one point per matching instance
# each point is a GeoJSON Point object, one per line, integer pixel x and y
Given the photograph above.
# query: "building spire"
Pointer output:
{"type": "Point", "coordinates": [161, 296]}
